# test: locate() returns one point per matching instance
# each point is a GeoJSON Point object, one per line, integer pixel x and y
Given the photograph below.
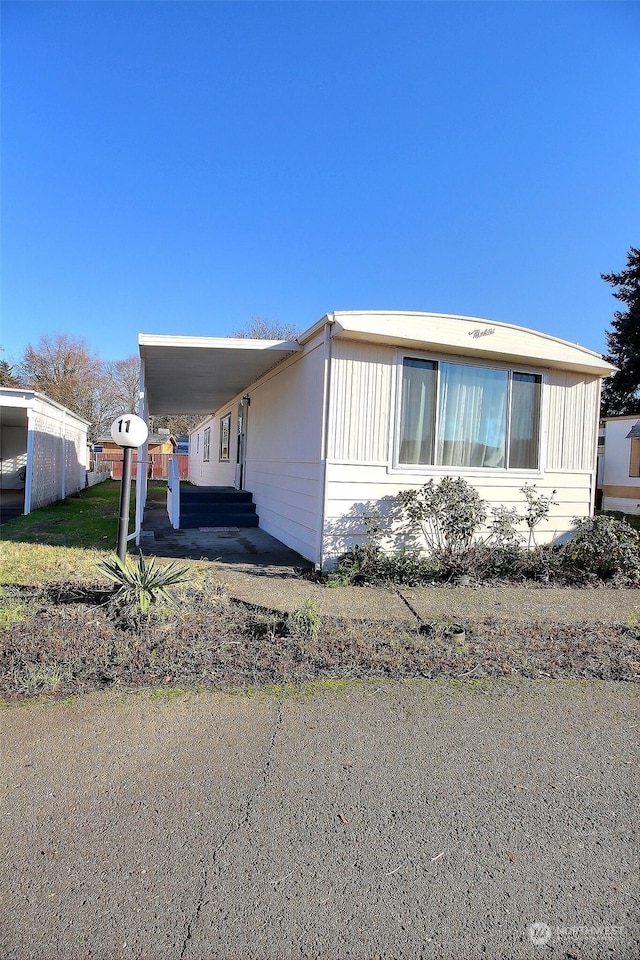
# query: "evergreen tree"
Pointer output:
{"type": "Point", "coordinates": [7, 376]}
{"type": "Point", "coordinates": [621, 393]}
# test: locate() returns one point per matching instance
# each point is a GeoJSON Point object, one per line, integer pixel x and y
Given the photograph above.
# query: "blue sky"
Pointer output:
{"type": "Point", "coordinates": [179, 167]}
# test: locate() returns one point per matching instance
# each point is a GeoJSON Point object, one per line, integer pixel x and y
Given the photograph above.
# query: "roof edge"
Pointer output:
{"type": "Point", "coordinates": [28, 395]}
{"type": "Point", "coordinates": [200, 343]}
{"type": "Point", "coordinates": [470, 319]}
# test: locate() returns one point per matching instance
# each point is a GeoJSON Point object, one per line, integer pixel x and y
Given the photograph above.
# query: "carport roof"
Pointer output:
{"type": "Point", "coordinates": [196, 375]}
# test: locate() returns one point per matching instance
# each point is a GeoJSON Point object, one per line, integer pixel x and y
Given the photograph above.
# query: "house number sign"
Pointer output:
{"type": "Point", "coordinates": [129, 430]}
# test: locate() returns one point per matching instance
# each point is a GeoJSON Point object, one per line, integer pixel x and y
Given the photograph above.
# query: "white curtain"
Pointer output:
{"type": "Point", "coordinates": [418, 411]}
{"type": "Point", "coordinates": [472, 425]}
{"type": "Point", "coordinates": [525, 417]}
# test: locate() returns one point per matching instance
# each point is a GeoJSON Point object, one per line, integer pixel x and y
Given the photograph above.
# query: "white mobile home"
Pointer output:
{"type": "Point", "coordinates": [620, 467]}
{"type": "Point", "coordinates": [43, 448]}
{"type": "Point", "coordinates": [365, 404]}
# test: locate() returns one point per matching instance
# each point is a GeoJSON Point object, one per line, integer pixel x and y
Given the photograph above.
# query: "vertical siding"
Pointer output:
{"type": "Point", "coordinates": [14, 455]}
{"type": "Point", "coordinates": [59, 449]}
{"type": "Point", "coordinates": [572, 418]}
{"type": "Point", "coordinates": [360, 408]}
{"type": "Point", "coordinates": [75, 457]}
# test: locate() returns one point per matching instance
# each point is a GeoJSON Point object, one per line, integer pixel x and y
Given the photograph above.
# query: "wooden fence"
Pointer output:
{"type": "Point", "coordinates": [157, 464]}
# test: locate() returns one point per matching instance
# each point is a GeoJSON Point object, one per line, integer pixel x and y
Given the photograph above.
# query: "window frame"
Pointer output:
{"type": "Point", "coordinates": [223, 456]}
{"type": "Point", "coordinates": [437, 469]}
{"type": "Point", "coordinates": [206, 445]}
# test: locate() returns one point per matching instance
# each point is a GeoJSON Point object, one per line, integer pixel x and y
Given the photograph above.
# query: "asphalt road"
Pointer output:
{"type": "Point", "coordinates": [392, 820]}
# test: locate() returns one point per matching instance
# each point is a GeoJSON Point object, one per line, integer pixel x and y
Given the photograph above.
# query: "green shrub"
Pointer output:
{"type": "Point", "coordinates": [363, 562]}
{"type": "Point", "coordinates": [606, 548]}
{"type": "Point", "coordinates": [449, 514]}
{"type": "Point", "coordinates": [142, 583]}
{"type": "Point", "coordinates": [410, 567]}
{"type": "Point", "coordinates": [538, 507]}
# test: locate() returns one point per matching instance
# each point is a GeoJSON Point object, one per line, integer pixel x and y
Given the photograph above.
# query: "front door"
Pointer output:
{"type": "Point", "coordinates": [243, 409]}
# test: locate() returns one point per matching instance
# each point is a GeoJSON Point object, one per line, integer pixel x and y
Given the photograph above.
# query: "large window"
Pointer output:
{"type": "Point", "coordinates": [461, 415]}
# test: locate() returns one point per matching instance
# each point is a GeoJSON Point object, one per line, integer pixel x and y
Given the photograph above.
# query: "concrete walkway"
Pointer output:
{"type": "Point", "coordinates": [257, 569]}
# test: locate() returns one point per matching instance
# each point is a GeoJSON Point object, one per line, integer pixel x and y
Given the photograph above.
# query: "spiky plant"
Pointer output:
{"type": "Point", "coordinates": [141, 582]}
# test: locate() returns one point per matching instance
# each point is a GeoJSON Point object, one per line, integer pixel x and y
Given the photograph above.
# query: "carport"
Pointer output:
{"type": "Point", "coordinates": [197, 375]}
{"type": "Point", "coordinates": [43, 451]}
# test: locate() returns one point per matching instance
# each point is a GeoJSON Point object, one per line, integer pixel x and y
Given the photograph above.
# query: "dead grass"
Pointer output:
{"type": "Point", "coordinates": [72, 641]}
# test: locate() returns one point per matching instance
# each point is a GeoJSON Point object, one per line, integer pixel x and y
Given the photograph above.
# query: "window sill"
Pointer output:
{"type": "Point", "coordinates": [424, 470]}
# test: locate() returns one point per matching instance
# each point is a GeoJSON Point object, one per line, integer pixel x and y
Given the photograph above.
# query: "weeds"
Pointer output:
{"type": "Point", "coordinates": [305, 622]}
{"type": "Point", "coordinates": [12, 608]}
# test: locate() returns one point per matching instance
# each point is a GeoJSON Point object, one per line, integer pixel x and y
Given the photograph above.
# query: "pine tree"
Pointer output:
{"type": "Point", "coordinates": [621, 393]}
{"type": "Point", "coordinates": [7, 376]}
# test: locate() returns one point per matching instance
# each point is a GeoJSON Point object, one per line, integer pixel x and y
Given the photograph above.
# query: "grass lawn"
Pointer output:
{"type": "Point", "coordinates": [65, 540]}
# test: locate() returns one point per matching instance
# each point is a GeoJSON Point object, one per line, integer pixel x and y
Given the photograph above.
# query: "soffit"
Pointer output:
{"type": "Point", "coordinates": [197, 375]}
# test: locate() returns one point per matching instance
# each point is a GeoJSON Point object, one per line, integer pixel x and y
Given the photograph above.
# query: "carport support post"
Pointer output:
{"type": "Point", "coordinates": [125, 499]}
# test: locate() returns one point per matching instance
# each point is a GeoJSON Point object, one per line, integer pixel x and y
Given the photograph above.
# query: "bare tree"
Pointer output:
{"type": "Point", "coordinates": [124, 376]}
{"type": "Point", "coordinates": [264, 328]}
{"type": "Point", "coordinates": [66, 371]}
{"type": "Point", "coordinates": [178, 425]}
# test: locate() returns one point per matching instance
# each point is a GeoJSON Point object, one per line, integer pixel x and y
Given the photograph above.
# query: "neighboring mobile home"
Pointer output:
{"type": "Point", "coordinates": [43, 449]}
{"type": "Point", "coordinates": [620, 464]}
{"type": "Point", "coordinates": [365, 404]}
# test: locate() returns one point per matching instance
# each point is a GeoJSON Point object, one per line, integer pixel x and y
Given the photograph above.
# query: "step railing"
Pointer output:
{"type": "Point", "coordinates": [173, 493]}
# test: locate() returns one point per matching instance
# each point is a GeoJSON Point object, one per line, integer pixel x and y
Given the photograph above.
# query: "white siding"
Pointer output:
{"type": "Point", "coordinates": [630, 505]}
{"type": "Point", "coordinates": [283, 462]}
{"type": "Point", "coordinates": [59, 454]}
{"type": "Point", "coordinates": [572, 420]}
{"type": "Point", "coordinates": [13, 453]}
{"type": "Point", "coordinates": [360, 472]}
{"type": "Point", "coordinates": [620, 490]}
{"type": "Point", "coordinates": [213, 472]}
{"type": "Point", "coordinates": [353, 491]}
{"type": "Point", "coordinates": [360, 402]}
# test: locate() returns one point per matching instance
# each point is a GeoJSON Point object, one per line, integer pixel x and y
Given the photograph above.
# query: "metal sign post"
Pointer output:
{"type": "Point", "coordinates": [129, 432]}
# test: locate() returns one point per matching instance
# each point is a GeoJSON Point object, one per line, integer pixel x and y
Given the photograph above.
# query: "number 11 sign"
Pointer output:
{"type": "Point", "coordinates": [128, 431]}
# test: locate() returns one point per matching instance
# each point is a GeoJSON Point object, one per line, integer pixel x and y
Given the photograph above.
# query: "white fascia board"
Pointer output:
{"type": "Point", "coordinates": [217, 343]}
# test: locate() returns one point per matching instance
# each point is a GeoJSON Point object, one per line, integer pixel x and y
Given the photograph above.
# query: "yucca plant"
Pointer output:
{"type": "Point", "coordinates": [141, 582]}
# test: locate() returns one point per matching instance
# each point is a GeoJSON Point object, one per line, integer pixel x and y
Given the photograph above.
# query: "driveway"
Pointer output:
{"type": "Point", "coordinates": [393, 820]}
